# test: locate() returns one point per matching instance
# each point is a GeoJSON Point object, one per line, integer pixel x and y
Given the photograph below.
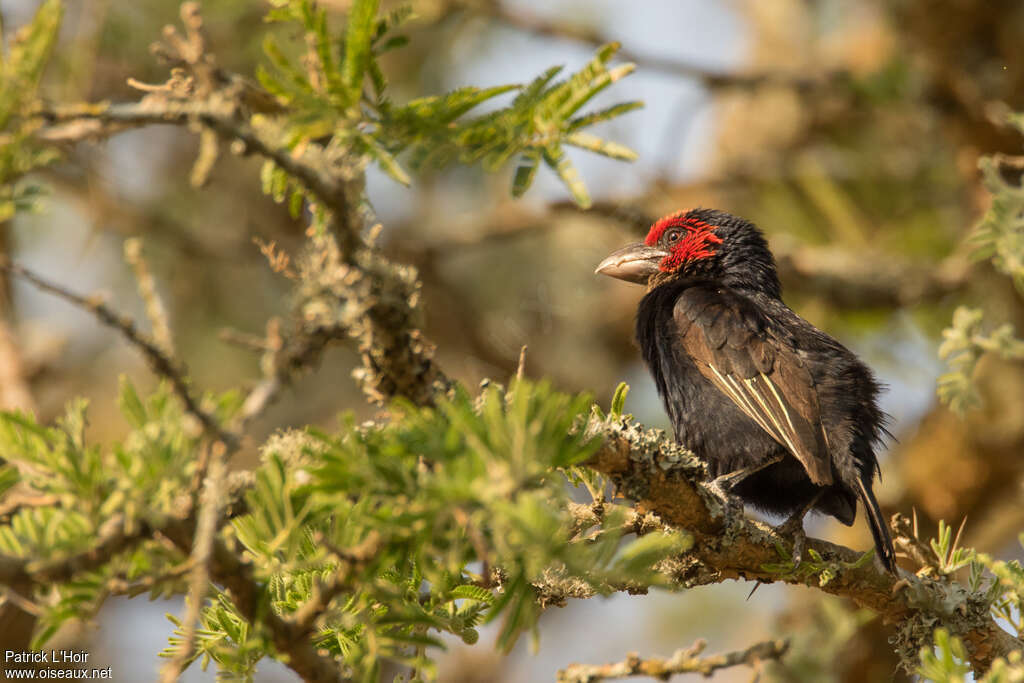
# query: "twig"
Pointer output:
{"type": "Point", "coordinates": [160, 362]}
{"type": "Point", "coordinates": [479, 543]}
{"type": "Point", "coordinates": [202, 549]}
{"type": "Point", "coordinates": [113, 538]}
{"type": "Point", "coordinates": [21, 602]}
{"type": "Point", "coordinates": [19, 500]}
{"type": "Point", "coordinates": [243, 340]}
{"type": "Point", "coordinates": [521, 367]}
{"type": "Point", "coordinates": [155, 309]}
{"type": "Point", "coordinates": [119, 585]}
{"type": "Point", "coordinates": [905, 537]}
{"type": "Point", "coordinates": [711, 79]}
{"type": "Point", "coordinates": [686, 660]}
{"type": "Point", "coordinates": [313, 168]}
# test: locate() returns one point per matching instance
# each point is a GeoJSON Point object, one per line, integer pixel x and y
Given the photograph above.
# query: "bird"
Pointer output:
{"type": "Point", "coordinates": [786, 417]}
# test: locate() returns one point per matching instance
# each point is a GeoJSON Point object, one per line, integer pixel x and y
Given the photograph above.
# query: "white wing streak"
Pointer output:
{"type": "Point", "coordinates": [761, 401]}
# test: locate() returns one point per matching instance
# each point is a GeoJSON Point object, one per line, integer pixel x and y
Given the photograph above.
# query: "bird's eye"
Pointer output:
{"type": "Point", "coordinates": [672, 236]}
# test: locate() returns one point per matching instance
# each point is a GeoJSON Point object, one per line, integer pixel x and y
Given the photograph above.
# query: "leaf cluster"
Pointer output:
{"type": "Point", "coordinates": [963, 344]}
{"type": "Point", "coordinates": [1000, 584]}
{"type": "Point", "coordinates": [998, 238]}
{"type": "Point", "coordinates": [21, 68]}
{"type": "Point", "coordinates": [433, 523]}
{"type": "Point", "coordinates": [337, 92]}
{"type": "Point", "coordinates": [136, 483]}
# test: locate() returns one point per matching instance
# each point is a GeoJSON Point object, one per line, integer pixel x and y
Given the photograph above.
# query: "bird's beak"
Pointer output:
{"type": "Point", "coordinates": [633, 263]}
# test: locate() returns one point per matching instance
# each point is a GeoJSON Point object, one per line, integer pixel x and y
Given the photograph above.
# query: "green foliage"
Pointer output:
{"type": "Point", "coordinates": [138, 481]}
{"type": "Point", "coordinates": [951, 556]}
{"type": "Point", "coordinates": [21, 67]}
{"type": "Point", "coordinates": [437, 521]}
{"type": "Point", "coordinates": [1000, 233]}
{"type": "Point", "coordinates": [999, 238]}
{"type": "Point", "coordinates": [813, 565]}
{"type": "Point", "coordinates": [963, 344]}
{"type": "Point", "coordinates": [946, 662]}
{"type": "Point", "coordinates": [1005, 590]}
{"type": "Point", "coordinates": [327, 99]}
{"type": "Point", "coordinates": [468, 508]}
{"type": "Point", "coordinates": [1000, 583]}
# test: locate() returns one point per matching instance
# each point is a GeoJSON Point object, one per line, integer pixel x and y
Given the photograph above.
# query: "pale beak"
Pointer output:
{"type": "Point", "coordinates": [633, 263]}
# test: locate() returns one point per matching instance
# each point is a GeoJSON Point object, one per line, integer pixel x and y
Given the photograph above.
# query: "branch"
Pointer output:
{"type": "Point", "coordinates": [219, 113]}
{"type": "Point", "coordinates": [849, 279]}
{"type": "Point", "coordinates": [113, 538]}
{"type": "Point", "coordinates": [682, 661]}
{"type": "Point", "coordinates": [397, 359]}
{"type": "Point", "coordinates": [207, 517]}
{"type": "Point", "coordinates": [665, 479]}
{"type": "Point", "coordinates": [713, 80]}
{"type": "Point", "coordinates": [159, 361]}
{"type": "Point", "coordinates": [224, 567]}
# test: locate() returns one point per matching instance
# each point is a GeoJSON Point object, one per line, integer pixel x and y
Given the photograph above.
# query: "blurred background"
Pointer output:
{"type": "Point", "coordinates": [848, 130]}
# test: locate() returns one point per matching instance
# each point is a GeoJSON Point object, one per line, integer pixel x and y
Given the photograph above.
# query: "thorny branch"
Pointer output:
{"type": "Point", "coordinates": [686, 660]}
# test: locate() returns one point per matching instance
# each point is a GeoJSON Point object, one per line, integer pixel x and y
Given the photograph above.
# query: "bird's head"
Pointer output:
{"type": "Point", "coordinates": [701, 244]}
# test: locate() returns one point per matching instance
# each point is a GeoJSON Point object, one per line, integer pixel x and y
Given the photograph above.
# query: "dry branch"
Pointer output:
{"type": "Point", "coordinates": [710, 78]}
{"type": "Point", "coordinates": [687, 660]}
{"type": "Point", "coordinates": [159, 360]}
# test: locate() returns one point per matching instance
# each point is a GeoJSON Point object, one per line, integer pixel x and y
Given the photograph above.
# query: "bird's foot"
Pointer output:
{"type": "Point", "coordinates": [721, 487]}
{"type": "Point", "coordinates": [794, 527]}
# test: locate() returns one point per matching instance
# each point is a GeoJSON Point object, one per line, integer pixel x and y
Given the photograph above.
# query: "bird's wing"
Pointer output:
{"type": "Point", "coordinates": [733, 345]}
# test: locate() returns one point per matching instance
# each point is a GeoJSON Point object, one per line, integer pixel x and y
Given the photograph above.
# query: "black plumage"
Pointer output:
{"type": "Point", "coordinates": [785, 416]}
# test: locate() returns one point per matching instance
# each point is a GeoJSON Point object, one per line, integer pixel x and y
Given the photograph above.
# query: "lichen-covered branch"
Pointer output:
{"type": "Point", "coordinates": [377, 304]}
{"type": "Point", "coordinates": [686, 660]}
{"type": "Point", "coordinates": [664, 479]}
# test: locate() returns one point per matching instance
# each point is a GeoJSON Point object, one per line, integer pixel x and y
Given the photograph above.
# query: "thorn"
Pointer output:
{"type": "Point", "coordinates": [520, 370]}
{"type": "Point", "coordinates": [956, 541]}
{"type": "Point", "coordinates": [754, 589]}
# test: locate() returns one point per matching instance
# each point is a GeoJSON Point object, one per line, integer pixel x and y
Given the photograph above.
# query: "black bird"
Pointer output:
{"type": "Point", "coordinates": [786, 417]}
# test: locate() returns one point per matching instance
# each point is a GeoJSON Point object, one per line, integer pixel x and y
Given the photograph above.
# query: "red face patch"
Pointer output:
{"type": "Point", "coordinates": [696, 244]}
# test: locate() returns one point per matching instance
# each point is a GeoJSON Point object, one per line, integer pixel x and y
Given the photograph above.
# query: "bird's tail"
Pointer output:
{"type": "Point", "coordinates": [879, 529]}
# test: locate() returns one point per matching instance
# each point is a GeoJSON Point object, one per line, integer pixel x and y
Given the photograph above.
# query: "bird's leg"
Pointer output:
{"type": "Point", "coordinates": [723, 485]}
{"type": "Point", "coordinates": [794, 526]}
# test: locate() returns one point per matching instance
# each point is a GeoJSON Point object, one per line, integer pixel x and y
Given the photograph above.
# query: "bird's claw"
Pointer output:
{"type": "Point", "coordinates": [720, 487]}
{"type": "Point", "coordinates": [794, 527]}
